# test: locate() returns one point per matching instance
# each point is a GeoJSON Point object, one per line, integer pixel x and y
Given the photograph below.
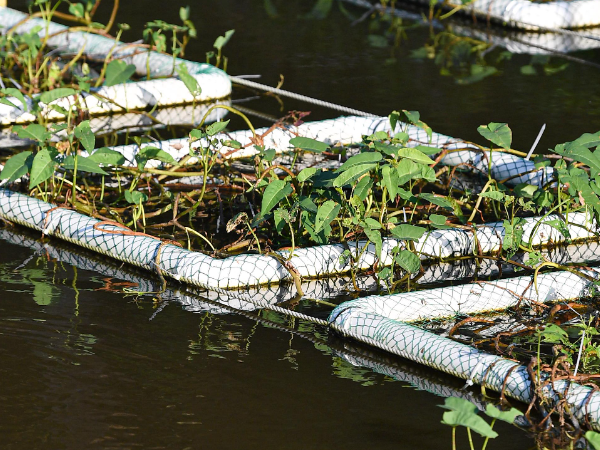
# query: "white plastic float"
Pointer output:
{"type": "Point", "coordinates": [350, 130]}
{"type": "Point", "coordinates": [245, 270]}
{"type": "Point", "coordinates": [215, 83]}
{"type": "Point", "coordinates": [462, 361]}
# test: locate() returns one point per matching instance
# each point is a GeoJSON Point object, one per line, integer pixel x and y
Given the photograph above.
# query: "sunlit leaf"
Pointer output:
{"type": "Point", "coordinates": [55, 94]}
{"type": "Point", "coordinates": [408, 232]}
{"type": "Point", "coordinates": [17, 166]}
{"type": "Point", "coordinates": [42, 167]}
{"type": "Point", "coordinates": [408, 261]}
{"type": "Point", "coordinates": [118, 72]}
{"type": "Point", "coordinates": [325, 214]}
{"type": "Point", "coordinates": [464, 413]}
{"type": "Point", "coordinates": [86, 136]}
{"type": "Point", "coordinates": [497, 133]}
{"type": "Point", "coordinates": [84, 164]}
{"type": "Point", "coordinates": [274, 193]}
{"type": "Point", "coordinates": [309, 144]}
{"type": "Point", "coordinates": [216, 127]}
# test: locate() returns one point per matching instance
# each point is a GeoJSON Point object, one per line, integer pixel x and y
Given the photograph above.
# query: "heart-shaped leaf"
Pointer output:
{"type": "Point", "coordinates": [42, 167]}
{"type": "Point", "coordinates": [118, 72]}
{"type": "Point", "coordinates": [497, 133]}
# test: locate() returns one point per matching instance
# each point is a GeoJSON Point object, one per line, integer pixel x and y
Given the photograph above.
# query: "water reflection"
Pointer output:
{"type": "Point", "coordinates": [97, 356]}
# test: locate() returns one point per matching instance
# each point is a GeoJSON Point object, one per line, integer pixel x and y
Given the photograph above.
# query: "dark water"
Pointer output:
{"type": "Point", "coordinates": [86, 367]}
{"type": "Point", "coordinates": [83, 366]}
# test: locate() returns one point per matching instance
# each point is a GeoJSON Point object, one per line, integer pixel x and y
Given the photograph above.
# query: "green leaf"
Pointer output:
{"type": "Point", "coordinates": [86, 136]}
{"type": "Point", "coordinates": [494, 195]}
{"type": "Point", "coordinates": [308, 205]}
{"type": "Point", "coordinates": [528, 70]}
{"type": "Point", "coordinates": [378, 136]}
{"type": "Point", "coordinates": [582, 154]}
{"type": "Point", "coordinates": [525, 190]}
{"type": "Point", "coordinates": [408, 232]}
{"type": "Point", "coordinates": [553, 334]}
{"type": "Point", "coordinates": [217, 127]}
{"type": "Point", "coordinates": [513, 235]}
{"type": "Point", "coordinates": [118, 72]}
{"type": "Point", "coordinates": [281, 216]}
{"type": "Point", "coordinates": [352, 174]}
{"type": "Point", "coordinates": [363, 187]}
{"type": "Point", "coordinates": [505, 416]}
{"type": "Point", "coordinates": [34, 131]}
{"type": "Point", "coordinates": [408, 261]}
{"type": "Point", "coordinates": [439, 201]}
{"type": "Point", "coordinates": [428, 150]}
{"type": "Point", "coordinates": [55, 94]}
{"type": "Point", "coordinates": [390, 181]}
{"type": "Point", "coordinates": [148, 153]}
{"type": "Point", "coordinates": [412, 116]}
{"type": "Point", "coordinates": [588, 140]}
{"type": "Point", "coordinates": [107, 156]}
{"type": "Point", "coordinates": [371, 223]}
{"type": "Point", "coordinates": [437, 219]}
{"type": "Point", "coordinates": [478, 73]}
{"type": "Point", "coordinates": [464, 413]}
{"type": "Point", "coordinates": [84, 164]}
{"type": "Point", "coordinates": [269, 154]}
{"type": "Point", "coordinates": [593, 438]}
{"type": "Point", "coordinates": [309, 144]}
{"type": "Point", "coordinates": [407, 170]}
{"type": "Point", "coordinates": [375, 237]}
{"type": "Point", "coordinates": [391, 150]}
{"type": "Point", "coordinates": [361, 158]}
{"type": "Point", "coordinates": [497, 133]}
{"type": "Point", "coordinates": [42, 167]}
{"type": "Point", "coordinates": [76, 9]}
{"type": "Point", "coordinates": [541, 162]}
{"type": "Point", "coordinates": [325, 214]}
{"type": "Point", "coordinates": [222, 40]}
{"type": "Point", "coordinates": [274, 193]}
{"type": "Point", "coordinates": [561, 226]}
{"type": "Point", "coordinates": [135, 197]}
{"type": "Point", "coordinates": [305, 174]}
{"type": "Point", "coordinates": [190, 82]}
{"type": "Point", "coordinates": [184, 13]}
{"type": "Point", "coordinates": [394, 118]}
{"type": "Point", "coordinates": [17, 166]}
{"type": "Point", "coordinates": [415, 155]}
{"type": "Point", "coordinates": [15, 93]}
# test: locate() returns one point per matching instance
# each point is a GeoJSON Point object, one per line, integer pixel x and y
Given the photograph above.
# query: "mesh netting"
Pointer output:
{"type": "Point", "coordinates": [463, 361]}
{"type": "Point", "coordinates": [189, 298]}
{"type": "Point", "coordinates": [532, 43]}
{"type": "Point", "coordinates": [527, 14]}
{"type": "Point", "coordinates": [249, 270]}
{"type": "Point", "coordinates": [479, 297]}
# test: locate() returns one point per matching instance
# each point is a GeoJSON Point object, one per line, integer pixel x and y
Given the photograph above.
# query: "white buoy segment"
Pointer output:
{"type": "Point", "coordinates": [215, 83]}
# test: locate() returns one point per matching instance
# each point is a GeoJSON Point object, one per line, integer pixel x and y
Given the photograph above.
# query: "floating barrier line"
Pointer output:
{"type": "Point", "coordinates": [561, 51]}
{"type": "Point", "coordinates": [553, 17]}
{"type": "Point", "coordinates": [462, 361]}
{"type": "Point", "coordinates": [214, 82]}
{"type": "Point", "coordinates": [350, 130]}
{"type": "Point", "coordinates": [249, 270]}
